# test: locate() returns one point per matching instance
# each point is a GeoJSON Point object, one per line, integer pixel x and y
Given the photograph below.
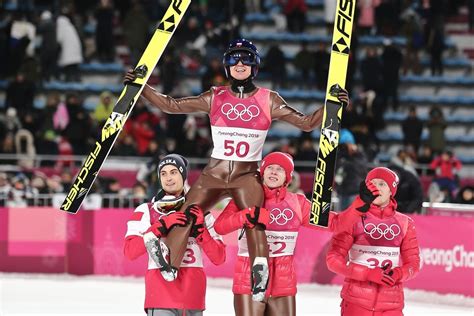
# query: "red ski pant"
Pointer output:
{"type": "Point", "coordinates": [350, 309]}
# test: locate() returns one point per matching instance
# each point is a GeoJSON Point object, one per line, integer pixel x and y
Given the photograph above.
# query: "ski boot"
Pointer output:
{"type": "Point", "coordinates": [259, 278]}
{"type": "Point", "coordinates": [159, 252]}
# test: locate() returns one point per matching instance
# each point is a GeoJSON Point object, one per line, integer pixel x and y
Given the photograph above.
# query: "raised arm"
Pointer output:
{"type": "Point", "coordinates": [337, 221]}
{"type": "Point", "coordinates": [167, 104]}
{"type": "Point", "coordinates": [280, 110]}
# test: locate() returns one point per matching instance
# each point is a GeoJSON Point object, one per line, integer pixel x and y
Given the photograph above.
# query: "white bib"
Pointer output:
{"type": "Point", "coordinates": [237, 144]}
{"type": "Point", "coordinates": [375, 256]}
{"type": "Point", "coordinates": [280, 243]}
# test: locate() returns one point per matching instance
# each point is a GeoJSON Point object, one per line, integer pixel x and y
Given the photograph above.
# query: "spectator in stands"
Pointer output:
{"type": "Point", "coordinates": [139, 194]}
{"type": "Point", "coordinates": [214, 75]}
{"type": "Point", "coordinates": [295, 184]}
{"type": "Point", "coordinates": [412, 128]}
{"type": "Point", "coordinates": [436, 126]}
{"type": "Point", "coordinates": [447, 167]}
{"type": "Point", "coordinates": [465, 195]}
{"type": "Point", "coordinates": [366, 16]}
{"type": "Point", "coordinates": [329, 14]}
{"type": "Point", "coordinates": [303, 62]}
{"type": "Point", "coordinates": [114, 189]}
{"type": "Point", "coordinates": [425, 157]}
{"type": "Point", "coordinates": [371, 70]}
{"type": "Point", "coordinates": [20, 93]}
{"type": "Point", "coordinates": [38, 182]}
{"type": "Point", "coordinates": [351, 168]}
{"type": "Point", "coordinates": [9, 122]}
{"type": "Point", "coordinates": [70, 55]}
{"type": "Point", "coordinates": [21, 192]}
{"type": "Point", "coordinates": [104, 108]}
{"type": "Point", "coordinates": [387, 17]}
{"type": "Point", "coordinates": [54, 184]}
{"type": "Point", "coordinates": [126, 145]}
{"type": "Point", "coordinates": [295, 11]}
{"type": "Point", "coordinates": [413, 31]}
{"type": "Point", "coordinates": [78, 131]}
{"type": "Point", "coordinates": [409, 192]}
{"type": "Point", "coordinates": [170, 68]}
{"type": "Point", "coordinates": [5, 188]}
{"type": "Point", "coordinates": [321, 65]}
{"type": "Point", "coordinates": [391, 61]}
{"type": "Point", "coordinates": [275, 66]}
{"type": "Point", "coordinates": [306, 151]}
{"type": "Point", "coordinates": [437, 195]}
{"type": "Point", "coordinates": [104, 35]}
{"type": "Point", "coordinates": [436, 46]}
{"type": "Point", "coordinates": [49, 48]}
{"type": "Point", "coordinates": [21, 42]}
{"type": "Point", "coordinates": [136, 31]}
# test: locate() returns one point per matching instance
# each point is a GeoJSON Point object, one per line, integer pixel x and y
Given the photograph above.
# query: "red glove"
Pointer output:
{"type": "Point", "coordinates": [396, 274]}
{"type": "Point", "coordinates": [196, 215]}
{"type": "Point", "coordinates": [379, 276]}
{"type": "Point", "coordinates": [166, 223]}
{"type": "Point", "coordinates": [255, 215]}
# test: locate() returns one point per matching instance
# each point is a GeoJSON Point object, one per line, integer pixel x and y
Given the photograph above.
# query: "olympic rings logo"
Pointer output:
{"type": "Point", "coordinates": [281, 217]}
{"type": "Point", "coordinates": [233, 112]}
{"type": "Point", "coordinates": [382, 230]}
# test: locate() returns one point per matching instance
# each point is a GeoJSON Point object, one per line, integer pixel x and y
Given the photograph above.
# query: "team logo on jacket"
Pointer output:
{"type": "Point", "coordinates": [281, 216]}
{"type": "Point", "coordinates": [245, 113]}
{"type": "Point", "coordinates": [382, 230]}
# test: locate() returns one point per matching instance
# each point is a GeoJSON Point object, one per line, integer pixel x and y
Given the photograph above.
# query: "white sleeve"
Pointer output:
{"type": "Point", "coordinates": [209, 220]}
{"type": "Point", "coordinates": [139, 222]}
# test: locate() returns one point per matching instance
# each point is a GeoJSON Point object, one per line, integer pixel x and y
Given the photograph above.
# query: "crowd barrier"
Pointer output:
{"type": "Point", "coordinates": [45, 240]}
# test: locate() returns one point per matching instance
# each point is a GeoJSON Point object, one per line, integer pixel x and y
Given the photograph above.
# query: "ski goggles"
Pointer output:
{"type": "Point", "coordinates": [233, 58]}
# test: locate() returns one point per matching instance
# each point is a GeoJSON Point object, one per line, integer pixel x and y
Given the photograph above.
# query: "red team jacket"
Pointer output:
{"type": "Point", "coordinates": [288, 212]}
{"type": "Point", "coordinates": [188, 291]}
{"type": "Point", "coordinates": [382, 236]}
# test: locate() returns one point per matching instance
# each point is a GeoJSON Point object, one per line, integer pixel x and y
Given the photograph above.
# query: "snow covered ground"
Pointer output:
{"type": "Point", "coordinates": [35, 294]}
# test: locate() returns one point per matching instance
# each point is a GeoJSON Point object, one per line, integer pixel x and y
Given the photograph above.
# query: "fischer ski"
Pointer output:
{"type": "Point", "coordinates": [332, 115]}
{"type": "Point", "coordinates": [124, 106]}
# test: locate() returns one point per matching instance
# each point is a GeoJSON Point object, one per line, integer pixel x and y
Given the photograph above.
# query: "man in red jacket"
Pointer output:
{"type": "Point", "coordinates": [377, 253]}
{"type": "Point", "coordinates": [150, 222]}
{"type": "Point", "coordinates": [283, 213]}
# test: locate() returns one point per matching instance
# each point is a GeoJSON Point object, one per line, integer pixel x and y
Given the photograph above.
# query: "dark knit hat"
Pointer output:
{"type": "Point", "coordinates": [385, 174]}
{"type": "Point", "coordinates": [179, 161]}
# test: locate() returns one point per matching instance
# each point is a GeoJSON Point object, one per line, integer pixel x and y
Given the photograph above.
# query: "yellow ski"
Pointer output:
{"type": "Point", "coordinates": [124, 106]}
{"type": "Point", "coordinates": [329, 138]}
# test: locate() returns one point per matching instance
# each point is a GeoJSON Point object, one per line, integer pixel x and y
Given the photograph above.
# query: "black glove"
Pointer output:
{"type": "Point", "coordinates": [130, 76]}
{"type": "Point", "coordinates": [368, 192]}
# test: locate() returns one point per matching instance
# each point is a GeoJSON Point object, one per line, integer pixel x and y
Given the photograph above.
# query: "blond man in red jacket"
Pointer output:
{"type": "Point", "coordinates": [283, 213]}
{"type": "Point", "coordinates": [377, 253]}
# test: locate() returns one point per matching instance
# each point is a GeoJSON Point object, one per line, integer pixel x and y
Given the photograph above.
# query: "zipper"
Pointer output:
{"type": "Point", "coordinates": [241, 91]}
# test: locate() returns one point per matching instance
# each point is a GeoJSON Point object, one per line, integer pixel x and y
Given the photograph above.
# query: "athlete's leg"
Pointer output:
{"type": "Point", "coordinates": [244, 305]}
{"type": "Point", "coordinates": [177, 238]}
{"type": "Point", "coordinates": [282, 305]}
{"type": "Point", "coordinates": [247, 191]}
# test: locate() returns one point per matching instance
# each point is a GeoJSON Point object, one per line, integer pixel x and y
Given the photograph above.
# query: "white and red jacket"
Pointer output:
{"type": "Point", "coordinates": [383, 236]}
{"type": "Point", "coordinates": [188, 291]}
{"type": "Point", "coordinates": [288, 212]}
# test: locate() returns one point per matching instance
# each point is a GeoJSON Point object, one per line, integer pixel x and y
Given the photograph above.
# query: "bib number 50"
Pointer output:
{"type": "Point", "coordinates": [240, 149]}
